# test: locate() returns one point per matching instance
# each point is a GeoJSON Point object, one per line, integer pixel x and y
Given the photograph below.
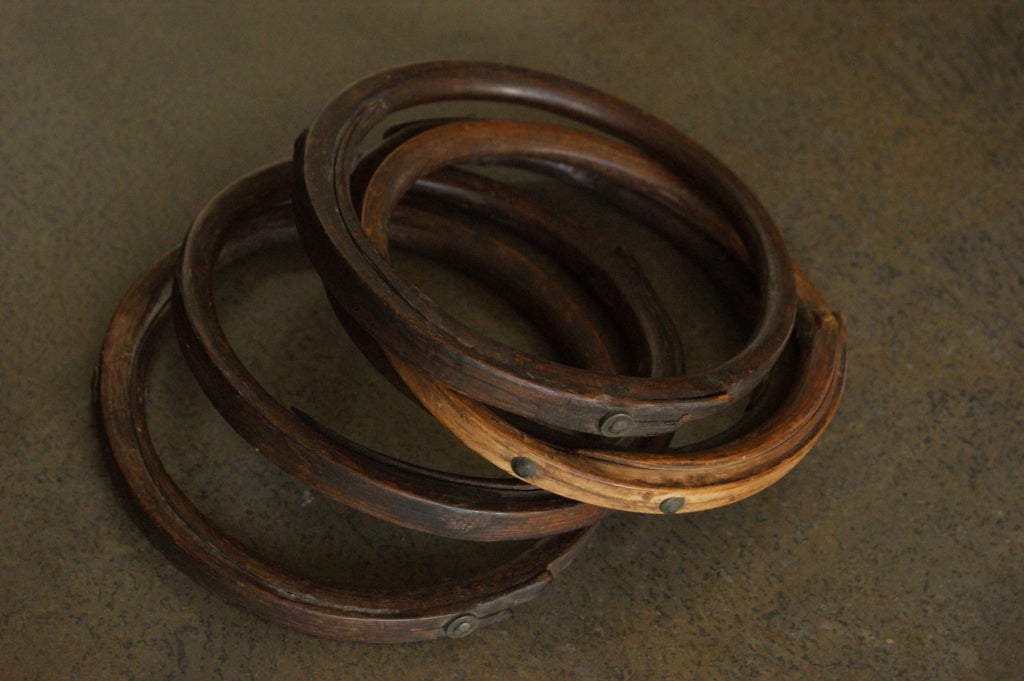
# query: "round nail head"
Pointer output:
{"type": "Point", "coordinates": [523, 467]}
{"type": "Point", "coordinates": [463, 625]}
{"type": "Point", "coordinates": [671, 505]}
{"type": "Point", "coordinates": [617, 424]}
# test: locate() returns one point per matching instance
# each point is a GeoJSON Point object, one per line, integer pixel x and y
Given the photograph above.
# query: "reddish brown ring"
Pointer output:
{"type": "Point", "coordinates": [238, 574]}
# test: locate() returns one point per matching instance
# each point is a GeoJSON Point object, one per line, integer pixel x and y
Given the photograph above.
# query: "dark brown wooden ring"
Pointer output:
{"type": "Point", "coordinates": [722, 257]}
{"type": "Point", "coordinates": [415, 497]}
{"type": "Point", "coordinates": [392, 312]}
{"type": "Point", "coordinates": [238, 574]}
{"type": "Point", "coordinates": [408, 495]}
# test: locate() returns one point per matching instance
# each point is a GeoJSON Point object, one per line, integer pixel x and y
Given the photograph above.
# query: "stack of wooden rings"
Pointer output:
{"type": "Point", "coordinates": [578, 437]}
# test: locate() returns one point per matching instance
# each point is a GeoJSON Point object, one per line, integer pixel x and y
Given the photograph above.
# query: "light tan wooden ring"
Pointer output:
{"type": "Point", "coordinates": [686, 481]}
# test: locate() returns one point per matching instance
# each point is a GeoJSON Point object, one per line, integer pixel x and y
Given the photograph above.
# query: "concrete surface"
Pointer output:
{"type": "Point", "coordinates": [887, 140]}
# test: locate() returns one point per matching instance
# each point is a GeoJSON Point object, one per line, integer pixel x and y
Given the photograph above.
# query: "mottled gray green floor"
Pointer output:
{"type": "Point", "coordinates": [887, 140]}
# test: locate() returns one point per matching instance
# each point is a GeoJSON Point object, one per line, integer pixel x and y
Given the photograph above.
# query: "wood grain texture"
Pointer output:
{"type": "Point", "coordinates": [403, 320]}
{"type": "Point", "coordinates": [422, 499]}
{"type": "Point", "coordinates": [239, 574]}
{"type": "Point", "coordinates": [757, 454]}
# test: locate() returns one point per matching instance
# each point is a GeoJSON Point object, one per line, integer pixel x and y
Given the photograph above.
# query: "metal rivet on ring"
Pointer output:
{"type": "Point", "coordinates": [671, 505]}
{"type": "Point", "coordinates": [617, 424]}
{"type": "Point", "coordinates": [523, 467]}
{"type": "Point", "coordinates": [463, 625]}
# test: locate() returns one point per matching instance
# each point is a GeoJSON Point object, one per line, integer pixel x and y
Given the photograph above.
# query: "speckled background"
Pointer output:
{"type": "Point", "coordinates": [887, 140]}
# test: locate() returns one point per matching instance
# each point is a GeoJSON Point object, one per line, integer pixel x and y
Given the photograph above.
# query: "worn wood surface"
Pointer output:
{"type": "Point", "coordinates": [237, 573]}
{"type": "Point", "coordinates": [885, 139]}
{"type": "Point", "coordinates": [404, 321]}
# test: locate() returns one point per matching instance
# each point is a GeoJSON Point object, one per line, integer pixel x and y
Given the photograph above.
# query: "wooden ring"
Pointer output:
{"type": "Point", "coordinates": [804, 391]}
{"type": "Point", "coordinates": [238, 574]}
{"type": "Point", "coordinates": [378, 299]}
{"type": "Point", "coordinates": [462, 507]}
{"type": "Point", "coordinates": [732, 467]}
{"type": "Point", "coordinates": [668, 482]}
